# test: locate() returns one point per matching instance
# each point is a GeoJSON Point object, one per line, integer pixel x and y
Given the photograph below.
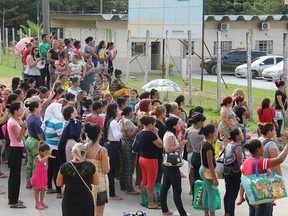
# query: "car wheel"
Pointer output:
{"type": "Point", "coordinates": [209, 71]}
{"type": "Point", "coordinates": [254, 74]}
{"type": "Point", "coordinates": [214, 70]}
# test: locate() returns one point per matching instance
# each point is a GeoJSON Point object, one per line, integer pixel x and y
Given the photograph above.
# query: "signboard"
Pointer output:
{"type": "Point", "coordinates": [157, 16]}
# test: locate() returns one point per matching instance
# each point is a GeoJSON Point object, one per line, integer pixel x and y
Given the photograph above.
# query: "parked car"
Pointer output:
{"type": "Point", "coordinates": [273, 73]}
{"type": "Point", "coordinates": [230, 61]}
{"type": "Point", "coordinates": [257, 66]}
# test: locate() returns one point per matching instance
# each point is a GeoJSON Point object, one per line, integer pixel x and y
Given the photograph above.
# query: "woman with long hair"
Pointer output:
{"type": "Point", "coordinates": [266, 113]}
{"type": "Point", "coordinates": [89, 73]}
{"type": "Point", "coordinates": [32, 70]}
{"type": "Point", "coordinates": [16, 132]}
{"type": "Point", "coordinates": [112, 53]}
{"type": "Point", "coordinates": [112, 135]}
{"type": "Point", "coordinates": [52, 56]}
{"type": "Point", "coordinates": [172, 175]}
{"type": "Point", "coordinates": [280, 104]}
{"type": "Point", "coordinates": [98, 155]}
{"type": "Point", "coordinates": [149, 142]}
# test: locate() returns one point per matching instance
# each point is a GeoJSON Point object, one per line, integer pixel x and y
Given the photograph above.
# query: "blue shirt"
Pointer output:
{"type": "Point", "coordinates": [34, 126]}
{"type": "Point", "coordinates": [94, 60]}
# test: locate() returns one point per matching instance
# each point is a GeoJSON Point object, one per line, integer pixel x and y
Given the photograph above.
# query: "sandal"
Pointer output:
{"type": "Point", "coordinates": [155, 207]}
{"type": "Point", "coordinates": [133, 192]}
{"type": "Point", "coordinates": [19, 201]}
{"type": "Point", "coordinates": [116, 197]}
{"type": "Point", "coordinates": [168, 213]}
{"type": "Point", "coordinates": [2, 176]}
{"type": "Point", "coordinates": [17, 205]}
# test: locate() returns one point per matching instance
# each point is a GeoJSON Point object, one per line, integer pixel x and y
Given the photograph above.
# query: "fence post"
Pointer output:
{"type": "Point", "coordinates": [69, 33]}
{"type": "Point", "coordinates": [21, 34]}
{"type": "Point", "coordinates": [147, 57]}
{"type": "Point", "coordinates": [128, 55]}
{"type": "Point", "coordinates": [190, 66]}
{"type": "Point", "coordinates": [249, 73]}
{"type": "Point", "coordinates": [167, 55]}
{"type": "Point", "coordinates": [58, 34]}
{"type": "Point", "coordinates": [1, 50]}
{"type": "Point", "coordinates": [29, 32]}
{"type": "Point", "coordinates": [285, 60]}
{"type": "Point", "coordinates": [38, 32]}
{"type": "Point", "coordinates": [81, 36]}
{"type": "Point", "coordinates": [13, 42]}
{"type": "Point", "coordinates": [7, 46]}
{"type": "Point", "coordinates": [219, 72]}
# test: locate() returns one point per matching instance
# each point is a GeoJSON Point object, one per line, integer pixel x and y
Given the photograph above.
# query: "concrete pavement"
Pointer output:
{"type": "Point", "coordinates": [115, 208]}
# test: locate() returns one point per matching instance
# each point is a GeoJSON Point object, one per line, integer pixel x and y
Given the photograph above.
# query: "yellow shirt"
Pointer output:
{"type": "Point", "coordinates": [105, 91]}
{"type": "Point", "coordinates": [66, 86]}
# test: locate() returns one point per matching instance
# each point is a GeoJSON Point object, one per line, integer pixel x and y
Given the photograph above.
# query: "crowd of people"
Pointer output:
{"type": "Point", "coordinates": [78, 126]}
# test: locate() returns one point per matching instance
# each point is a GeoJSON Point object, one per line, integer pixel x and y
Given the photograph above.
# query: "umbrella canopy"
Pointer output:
{"type": "Point", "coordinates": [21, 44]}
{"type": "Point", "coordinates": [162, 85]}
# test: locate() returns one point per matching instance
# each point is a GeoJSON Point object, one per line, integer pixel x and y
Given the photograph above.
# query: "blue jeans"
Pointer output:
{"type": "Point", "coordinates": [278, 132]}
{"type": "Point", "coordinates": [265, 209]}
{"type": "Point", "coordinates": [196, 163]}
{"type": "Point", "coordinates": [243, 127]}
{"type": "Point", "coordinates": [113, 152]}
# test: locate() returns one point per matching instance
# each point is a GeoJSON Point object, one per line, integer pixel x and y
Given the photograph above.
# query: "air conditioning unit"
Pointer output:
{"type": "Point", "coordinates": [265, 26]}
{"type": "Point", "coordinates": [224, 26]}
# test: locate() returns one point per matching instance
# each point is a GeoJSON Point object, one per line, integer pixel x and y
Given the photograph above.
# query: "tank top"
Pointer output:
{"type": "Point", "coordinates": [34, 71]}
{"type": "Point", "coordinates": [94, 60]}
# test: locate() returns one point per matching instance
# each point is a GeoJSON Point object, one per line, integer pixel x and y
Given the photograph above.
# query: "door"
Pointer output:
{"type": "Point", "coordinates": [155, 55]}
{"type": "Point", "coordinates": [265, 64]}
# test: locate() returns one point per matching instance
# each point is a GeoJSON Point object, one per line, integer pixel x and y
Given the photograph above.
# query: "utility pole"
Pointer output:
{"type": "Point", "coordinates": [101, 6]}
{"type": "Point", "coordinates": [46, 17]}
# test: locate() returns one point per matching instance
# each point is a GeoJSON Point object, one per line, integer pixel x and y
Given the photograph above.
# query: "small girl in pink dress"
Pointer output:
{"type": "Point", "coordinates": [40, 176]}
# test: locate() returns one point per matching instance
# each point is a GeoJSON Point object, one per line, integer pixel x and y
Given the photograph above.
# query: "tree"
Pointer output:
{"type": "Point", "coordinates": [34, 28]}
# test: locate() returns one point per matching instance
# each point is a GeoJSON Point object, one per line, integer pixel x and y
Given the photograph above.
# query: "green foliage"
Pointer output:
{"type": "Point", "coordinates": [33, 28]}
{"type": "Point", "coordinates": [246, 7]}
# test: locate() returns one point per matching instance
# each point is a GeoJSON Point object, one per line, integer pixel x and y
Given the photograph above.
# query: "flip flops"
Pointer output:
{"type": "Point", "coordinates": [155, 207]}
{"type": "Point", "coordinates": [18, 205]}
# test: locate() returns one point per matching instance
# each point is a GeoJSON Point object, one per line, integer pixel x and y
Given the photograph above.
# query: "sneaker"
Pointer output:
{"type": "Point", "coordinates": [39, 206]}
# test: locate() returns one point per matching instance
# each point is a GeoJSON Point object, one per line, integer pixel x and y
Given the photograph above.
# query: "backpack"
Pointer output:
{"type": "Point", "coordinates": [231, 166]}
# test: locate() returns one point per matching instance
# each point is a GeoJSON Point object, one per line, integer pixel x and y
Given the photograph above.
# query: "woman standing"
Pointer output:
{"type": "Point", "coordinates": [172, 175]}
{"type": "Point", "coordinates": [94, 117]}
{"type": "Point", "coordinates": [180, 100]}
{"type": "Point", "coordinates": [128, 161]}
{"type": "Point", "coordinates": [35, 134]}
{"type": "Point", "coordinates": [208, 162]}
{"type": "Point", "coordinates": [232, 182]}
{"type": "Point", "coordinates": [99, 157]}
{"type": "Point", "coordinates": [52, 56]}
{"type": "Point", "coordinates": [89, 73]}
{"type": "Point", "coordinates": [256, 149]}
{"type": "Point", "coordinates": [149, 142]}
{"type": "Point", "coordinates": [16, 132]}
{"type": "Point", "coordinates": [77, 176]}
{"type": "Point", "coordinates": [280, 104]}
{"type": "Point", "coordinates": [134, 99]}
{"type": "Point", "coordinates": [102, 58]}
{"type": "Point", "coordinates": [32, 70]}
{"type": "Point", "coordinates": [228, 119]}
{"type": "Point", "coordinates": [112, 53]}
{"type": "Point", "coordinates": [112, 135]}
{"type": "Point", "coordinates": [194, 138]}
{"type": "Point", "coordinates": [265, 112]}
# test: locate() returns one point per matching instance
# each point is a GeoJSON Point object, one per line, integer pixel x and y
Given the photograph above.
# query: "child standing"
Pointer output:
{"type": "Point", "coordinates": [40, 175]}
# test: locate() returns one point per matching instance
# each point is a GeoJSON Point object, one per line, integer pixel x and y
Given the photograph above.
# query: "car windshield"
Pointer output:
{"type": "Point", "coordinates": [255, 59]}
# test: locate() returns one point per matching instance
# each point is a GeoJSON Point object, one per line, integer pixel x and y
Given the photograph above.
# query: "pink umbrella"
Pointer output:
{"type": "Point", "coordinates": [21, 44]}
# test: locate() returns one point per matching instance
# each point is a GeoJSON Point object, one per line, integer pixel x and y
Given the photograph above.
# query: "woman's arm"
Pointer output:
{"type": "Point", "coordinates": [49, 58]}
{"type": "Point", "coordinates": [238, 153]}
{"type": "Point", "coordinates": [130, 133]}
{"type": "Point", "coordinates": [90, 50]}
{"type": "Point", "coordinates": [224, 118]}
{"type": "Point", "coordinates": [95, 179]}
{"type": "Point", "coordinates": [105, 160]}
{"type": "Point", "coordinates": [59, 180]}
{"type": "Point", "coordinates": [30, 62]}
{"type": "Point", "coordinates": [19, 135]}
{"type": "Point", "coordinates": [158, 142]}
{"type": "Point", "coordinates": [281, 157]}
{"type": "Point", "coordinates": [210, 160]}
{"type": "Point", "coordinates": [168, 145]}
{"type": "Point", "coordinates": [279, 100]}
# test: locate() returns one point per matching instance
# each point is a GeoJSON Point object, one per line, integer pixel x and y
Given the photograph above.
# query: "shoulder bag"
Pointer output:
{"type": "Point", "coordinates": [207, 172]}
{"type": "Point", "coordinates": [173, 159]}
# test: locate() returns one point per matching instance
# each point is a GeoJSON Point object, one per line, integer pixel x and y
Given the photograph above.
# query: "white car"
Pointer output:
{"type": "Point", "coordinates": [273, 73]}
{"type": "Point", "coordinates": [257, 66]}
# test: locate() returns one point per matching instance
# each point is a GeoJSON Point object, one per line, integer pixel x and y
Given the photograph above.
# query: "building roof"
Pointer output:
{"type": "Point", "coordinates": [246, 17]}
{"type": "Point", "coordinates": [89, 16]}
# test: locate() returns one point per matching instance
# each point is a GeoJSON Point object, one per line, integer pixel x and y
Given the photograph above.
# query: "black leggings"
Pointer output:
{"type": "Point", "coordinates": [53, 171]}
{"type": "Point", "coordinates": [172, 177]}
{"type": "Point", "coordinates": [232, 186]}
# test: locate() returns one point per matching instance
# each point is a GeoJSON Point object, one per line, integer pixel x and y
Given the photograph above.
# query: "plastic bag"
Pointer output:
{"type": "Point", "coordinates": [156, 195]}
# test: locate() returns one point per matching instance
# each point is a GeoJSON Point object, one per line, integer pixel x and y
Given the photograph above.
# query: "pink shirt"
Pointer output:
{"type": "Point", "coordinates": [13, 142]}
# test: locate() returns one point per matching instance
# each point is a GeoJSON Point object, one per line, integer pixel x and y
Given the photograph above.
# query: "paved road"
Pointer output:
{"type": "Point", "coordinates": [115, 208]}
{"type": "Point", "coordinates": [256, 83]}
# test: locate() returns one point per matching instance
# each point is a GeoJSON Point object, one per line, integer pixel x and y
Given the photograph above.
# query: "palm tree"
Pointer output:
{"type": "Point", "coordinates": [35, 30]}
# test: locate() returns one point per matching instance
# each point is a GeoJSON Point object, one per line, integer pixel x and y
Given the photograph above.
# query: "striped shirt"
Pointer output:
{"type": "Point", "coordinates": [52, 133]}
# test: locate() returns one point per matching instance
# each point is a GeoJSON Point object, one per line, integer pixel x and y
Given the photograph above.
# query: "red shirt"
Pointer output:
{"type": "Point", "coordinates": [249, 163]}
{"type": "Point", "coordinates": [25, 54]}
{"type": "Point", "coordinates": [267, 114]}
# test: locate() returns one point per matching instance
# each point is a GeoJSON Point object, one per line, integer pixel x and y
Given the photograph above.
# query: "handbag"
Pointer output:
{"type": "Point", "coordinates": [263, 188]}
{"type": "Point", "coordinates": [136, 145]}
{"type": "Point", "coordinates": [231, 166]}
{"type": "Point", "coordinates": [173, 159]}
{"type": "Point", "coordinates": [207, 172]}
{"type": "Point", "coordinates": [198, 196]}
{"type": "Point", "coordinates": [279, 115]}
{"type": "Point", "coordinates": [138, 213]}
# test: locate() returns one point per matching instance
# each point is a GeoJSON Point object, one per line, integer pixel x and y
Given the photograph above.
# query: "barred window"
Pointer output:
{"type": "Point", "coordinates": [138, 48]}
{"type": "Point", "coordinates": [264, 45]}
{"type": "Point", "coordinates": [225, 47]}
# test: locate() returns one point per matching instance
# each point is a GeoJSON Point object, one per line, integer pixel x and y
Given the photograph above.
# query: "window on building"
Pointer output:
{"type": "Point", "coordinates": [264, 45]}
{"type": "Point", "coordinates": [138, 48]}
{"type": "Point", "coordinates": [225, 47]}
